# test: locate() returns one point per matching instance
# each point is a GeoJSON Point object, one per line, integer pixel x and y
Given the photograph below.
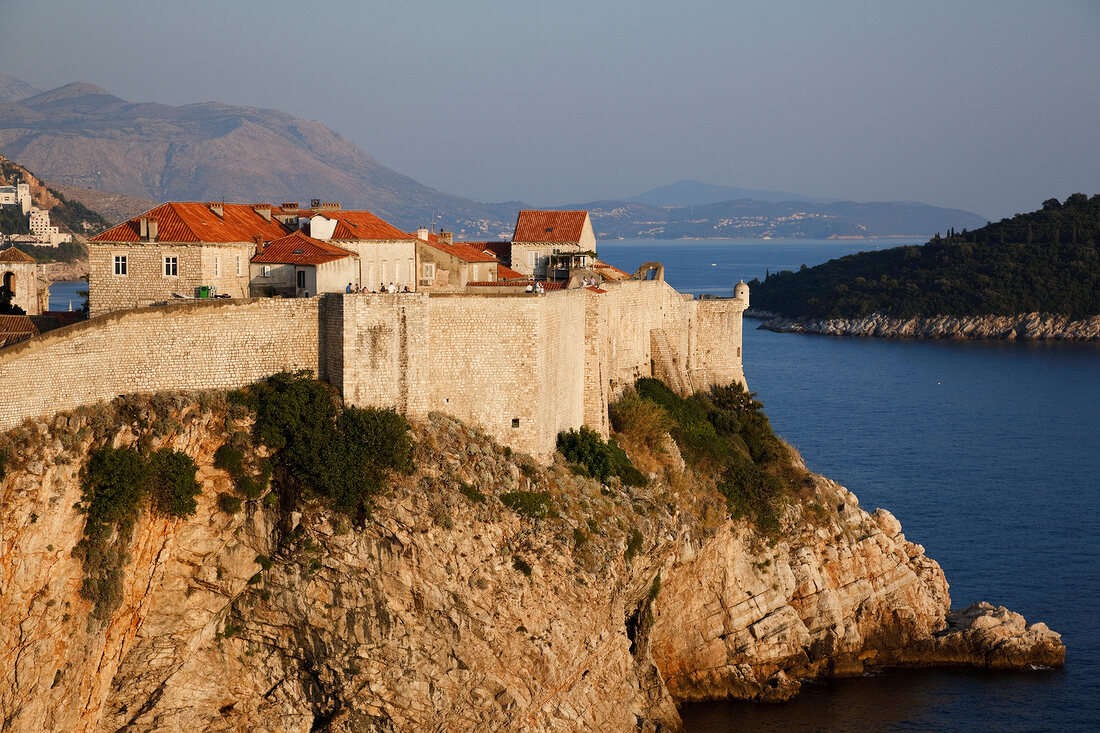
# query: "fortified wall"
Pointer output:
{"type": "Point", "coordinates": [524, 367]}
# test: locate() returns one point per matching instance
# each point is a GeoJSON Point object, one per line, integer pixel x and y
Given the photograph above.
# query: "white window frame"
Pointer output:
{"type": "Point", "coordinates": [265, 271]}
{"type": "Point", "coordinates": [238, 265]}
{"type": "Point", "coordinates": [120, 265]}
{"type": "Point", "coordinates": [428, 270]}
{"type": "Point", "coordinates": [217, 267]}
{"type": "Point", "coordinates": [171, 266]}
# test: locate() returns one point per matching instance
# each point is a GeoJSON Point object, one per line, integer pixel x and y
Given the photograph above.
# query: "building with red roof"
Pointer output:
{"type": "Point", "coordinates": [449, 265]}
{"type": "Point", "coordinates": [299, 266]}
{"type": "Point", "coordinates": [386, 254]}
{"type": "Point", "coordinates": [548, 244]}
{"type": "Point", "coordinates": [178, 249]}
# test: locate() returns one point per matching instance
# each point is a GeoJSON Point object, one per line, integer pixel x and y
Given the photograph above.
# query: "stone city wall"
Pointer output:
{"type": "Point", "coordinates": [523, 367]}
{"type": "Point", "coordinates": [187, 346]}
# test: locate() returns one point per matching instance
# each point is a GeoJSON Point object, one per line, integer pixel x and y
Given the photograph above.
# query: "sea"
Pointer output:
{"type": "Point", "coordinates": [988, 453]}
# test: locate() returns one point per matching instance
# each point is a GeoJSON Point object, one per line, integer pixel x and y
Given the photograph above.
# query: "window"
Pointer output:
{"type": "Point", "coordinates": [429, 270]}
{"type": "Point", "coordinates": [533, 260]}
{"type": "Point", "coordinates": [266, 271]}
{"type": "Point", "coordinates": [301, 278]}
{"type": "Point", "coordinates": [171, 266]}
{"type": "Point", "coordinates": [120, 264]}
{"type": "Point", "coordinates": [238, 265]}
{"type": "Point", "coordinates": [217, 266]}
{"type": "Point", "coordinates": [412, 269]}
{"type": "Point", "coordinates": [515, 422]}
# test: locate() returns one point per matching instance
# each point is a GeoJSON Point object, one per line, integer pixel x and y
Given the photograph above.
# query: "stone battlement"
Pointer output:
{"type": "Point", "coordinates": [524, 367]}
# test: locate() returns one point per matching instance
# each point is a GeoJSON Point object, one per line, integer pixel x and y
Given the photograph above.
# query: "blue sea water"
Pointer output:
{"type": "Point", "coordinates": [989, 455]}
{"type": "Point", "coordinates": [66, 293]}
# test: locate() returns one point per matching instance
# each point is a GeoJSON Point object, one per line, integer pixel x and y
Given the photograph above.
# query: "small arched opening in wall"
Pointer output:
{"type": "Point", "coordinates": [9, 282]}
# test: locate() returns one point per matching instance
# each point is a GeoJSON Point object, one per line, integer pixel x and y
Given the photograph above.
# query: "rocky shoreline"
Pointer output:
{"type": "Point", "coordinates": [446, 610]}
{"type": "Point", "coordinates": [1023, 327]}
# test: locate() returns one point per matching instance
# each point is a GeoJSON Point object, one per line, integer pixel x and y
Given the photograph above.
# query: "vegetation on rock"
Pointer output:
{"type": "Point", "coordinates": [1045, 261]}
{"type": "Point", "coordinates": [598, 459]}
{"type": "Point", "coordinates": [322, 449]}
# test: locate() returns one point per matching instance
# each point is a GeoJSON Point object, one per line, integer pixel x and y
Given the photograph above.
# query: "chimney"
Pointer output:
{"type": "Point", "coordinates": [422, 234]}
{"type": "Point", "coordinates": [263, 210]}
{"type": "Point", "coordinates": [446, 237]}
{"type": "Point", "coordinates": [217, 208]}
{"type": "Point", "coordinates": [331, 206]}
{"type": "Point", "coordinates": [152, 230]}
{"type": "Point", "coordinates": [315, 203]}
{"type": "Point", "coordinates": [143, 228]}
{"type": "Point", "coordinates": [289, 205]}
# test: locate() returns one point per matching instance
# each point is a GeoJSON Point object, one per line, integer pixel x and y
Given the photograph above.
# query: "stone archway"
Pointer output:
{"type": "Point", "coordinates": [9, 282]}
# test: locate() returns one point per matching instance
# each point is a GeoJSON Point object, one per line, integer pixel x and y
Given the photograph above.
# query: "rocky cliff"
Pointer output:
{"type": "Point", "coordinates": [1025, 326]}
{"type": "Point", "coordinates": [445, 609]}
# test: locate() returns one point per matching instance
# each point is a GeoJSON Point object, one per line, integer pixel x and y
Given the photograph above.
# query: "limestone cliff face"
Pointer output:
{"type": "Point", "coordinates": [446, 610]}
{"type": "Point", "coordinates": [1025, 326]}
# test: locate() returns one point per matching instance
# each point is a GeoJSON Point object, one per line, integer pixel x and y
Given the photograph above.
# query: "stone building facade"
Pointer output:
{"type": "Point", "coordinates": [19, 273]}
{"type": "Point", "coordinates": [523, 367]}
{"type": "Point", "coordinates": [545, 243]}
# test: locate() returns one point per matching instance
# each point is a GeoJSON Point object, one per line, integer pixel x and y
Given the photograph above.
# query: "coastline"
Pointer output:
{"type": "Point", "coordinates": [1023, 327]}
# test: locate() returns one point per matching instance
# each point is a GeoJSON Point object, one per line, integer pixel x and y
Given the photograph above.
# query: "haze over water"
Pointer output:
{"type": "Point", "coordinates": [987, 452]}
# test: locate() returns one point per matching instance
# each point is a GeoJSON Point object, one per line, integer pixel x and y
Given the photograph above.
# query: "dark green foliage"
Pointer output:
{"type": "Point", "coordinates": [531, 504]}
{"type": "Point", "coordinates": [173, 484]}
{"type": "Point", "coordinates": [725, 433]}
{"type": "Point", "coordinates": [72, 215]}
{"type": "Point", "coordinates": [6, 306]}
{"type": "Point", "coordinates": [1046, 261]}
{"type": "Point", "coordinates": [471, 493]}
{"type": "Point", "coordinates": [633, 544]}
{"type": "Point", "coordinates": [323, 449]}
{"type": "Point", "coordinates": [600, 460]}
{"type": "Point", "coordinates": [644, 420]}
{"type": "Point", "coordinates": [14, 221]}
{"type": "Point", "coordinates": [521, 565]}
{"type": "Point", "coordinates": [229, 504]}
{"type": "Point", "coordinates": [264, 562]}
{"type": "Point", "coordinates": [63, 252]}
{"type": "Point", "coordinates": [230, 459]}
{"type": "Point", "coordinates": [580, 538]}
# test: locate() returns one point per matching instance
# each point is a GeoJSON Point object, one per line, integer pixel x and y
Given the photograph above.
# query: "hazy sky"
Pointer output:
{"type": "Point", "coordinates": [989, 106]}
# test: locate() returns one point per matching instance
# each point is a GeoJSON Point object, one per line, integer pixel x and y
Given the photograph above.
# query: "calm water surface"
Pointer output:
{"type": "Point", "coordinates": [988, 454]}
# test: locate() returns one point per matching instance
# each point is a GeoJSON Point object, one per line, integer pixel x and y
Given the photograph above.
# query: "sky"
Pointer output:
{"type": "Point", "coordinates": [986, 105]}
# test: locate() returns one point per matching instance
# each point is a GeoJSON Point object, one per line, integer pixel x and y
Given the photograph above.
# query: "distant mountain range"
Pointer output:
{"type": "Point", "coordinates": [694, 193]}
{"type": "Point", "coordinates": [102, 150]}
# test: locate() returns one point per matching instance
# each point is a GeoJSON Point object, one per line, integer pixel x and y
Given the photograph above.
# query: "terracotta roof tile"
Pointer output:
{"type": "Point", "coordinates": [192, 221]}
{"type": "Point", "coordinates": [13, 254]}
{"type": "Point", "coordinates": [467, 251]}
{"type": "Point", "coordinates": [507, 273]}
{"type": "Point", "coordinates": [503, 250]}
{"type": "Point", "coordinates": [610, 272]}
{"type": "Point", "coordinates": [549, 226]}
{"type": "Point", "coordinates": [512, 283]}
{"type": "Point", "coordinates": [298, 249]}
{"type": "Point", "coordinates": [352, 225]}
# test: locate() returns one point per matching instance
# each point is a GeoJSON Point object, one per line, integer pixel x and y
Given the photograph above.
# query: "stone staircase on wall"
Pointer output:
{"type": "Point", "coordinates": [668, 366]}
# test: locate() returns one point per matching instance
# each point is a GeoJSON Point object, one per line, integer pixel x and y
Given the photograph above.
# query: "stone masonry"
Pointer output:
{"type": "Point", "coordinates": [524, 367]}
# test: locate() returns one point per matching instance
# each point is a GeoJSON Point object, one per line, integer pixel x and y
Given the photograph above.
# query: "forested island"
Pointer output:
{"type": "Point", "coordinates": [1036, 275]}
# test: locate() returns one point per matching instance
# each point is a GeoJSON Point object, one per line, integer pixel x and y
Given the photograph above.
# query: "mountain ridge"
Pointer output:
{"type": "Point", "coordinates": [80, 135]}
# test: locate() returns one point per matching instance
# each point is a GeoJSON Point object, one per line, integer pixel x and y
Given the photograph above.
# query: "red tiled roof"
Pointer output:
{"type": "Point", "coordinates": [361, 225]}
{"type": "Point", "coordinates": [610, 272]}
{"type": "Point", "coordinates": [13, 254]}
{"type": "Point", "coordinates": [503, 250]}
{"type": "Point", "coordinates": [507, 273]}
{"type": "Point", "coordinates": [298, 249]}
{"type": "Point", "coordinates": [594, 289]}
{"type": "Point", "coordinates": [14, 329]}
{"type": "Point", "coordinates": [192, 221]}
{"type": "Point", "coordinates": [549, 226]}
{"type": "Point", "coordinates": [467, 251]}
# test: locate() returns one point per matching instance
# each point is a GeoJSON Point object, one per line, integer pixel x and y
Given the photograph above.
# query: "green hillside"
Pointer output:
{"type": "Point", "coordinates": [1046, 261]}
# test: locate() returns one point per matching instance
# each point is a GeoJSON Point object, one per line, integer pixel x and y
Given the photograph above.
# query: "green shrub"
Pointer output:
{"type": "Point", "coordinates": [580, 537]}
{"type": "Point", "coordinates": [471, 493]}
{"type": "Point", "coordinates": [173, 484]}
{"type": "Point", "coordinates": [643, 420]}
{"type": "Point", "coordinates": [264, 562]}
{"type": "Point", "coordinates": [325, 450]}
{"type": "Point", "coordinates": [531, 504]}
{"type": "Point", "coordinates": [755, 494]}
{"type": "Point", "coordinates": [229, 459]}
{"type": "Point", "coordinates": [600, 460]}
{"type": "Point", "coordinates": [228, 503]}
{"type": "Point", "coordinates": [633, 544]}
{"type": "Point", "coordinates": [521, 565]}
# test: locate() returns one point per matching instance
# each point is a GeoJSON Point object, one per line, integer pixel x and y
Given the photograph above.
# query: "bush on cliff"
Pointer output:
{"type": "Point", "coordinates": [725, 433]}
{"type": "Point", "coordinates": [598, 459]}
{"type": "Point", "coordinates": [115, 482]}
{"type": "Point", "coordinates": [323, 449]}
